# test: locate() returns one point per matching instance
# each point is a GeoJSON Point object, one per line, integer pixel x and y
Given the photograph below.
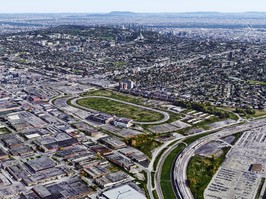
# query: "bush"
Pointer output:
{"type": "Point", "coordinates": [203, 107]}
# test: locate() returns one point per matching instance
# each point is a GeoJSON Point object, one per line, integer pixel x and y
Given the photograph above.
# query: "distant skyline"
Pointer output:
{"type": "Point", "coordinates": [104, 6]}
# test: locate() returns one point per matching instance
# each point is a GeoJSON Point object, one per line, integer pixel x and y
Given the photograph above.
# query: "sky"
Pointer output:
{"type": "Point", "coordinates": [103, 6]}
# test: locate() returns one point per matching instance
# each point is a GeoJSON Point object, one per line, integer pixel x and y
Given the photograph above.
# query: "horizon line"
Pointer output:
{"type": "Point", "coordinates": [155, 12]}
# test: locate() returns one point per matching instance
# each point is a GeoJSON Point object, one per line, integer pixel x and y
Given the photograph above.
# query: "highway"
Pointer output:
{"type": "Point", "coordinates": [159, 169]}
{"type": "Point", "coordinates": [148, 170]}
{"type": "Point", "coordinates": [165, 114]}
{"type": "Point", "coordinates": [168, 151]}
{"type": "Point", "coordinates": [179, 171]}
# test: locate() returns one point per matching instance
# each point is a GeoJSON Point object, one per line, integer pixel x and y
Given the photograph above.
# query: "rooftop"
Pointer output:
{"type": "Point", "coordinates": [123, 192]}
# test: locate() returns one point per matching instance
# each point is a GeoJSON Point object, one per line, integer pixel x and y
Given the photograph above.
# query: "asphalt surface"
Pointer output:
{"type": "Point", "coordinates": [178, 173]}
{"type": "Point", "coordinates": [180, 169]}
{"type": "Point", "coordinates": [167, 152]}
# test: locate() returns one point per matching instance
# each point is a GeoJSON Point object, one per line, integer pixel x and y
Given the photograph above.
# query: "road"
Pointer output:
{"type": "Point", "coordinates": [165, 114]}
{"type": "Point", "coordinates": [150, 169]}
{"type": "Point", "coordinates": [180, 169]}
{"type": "Point", "coordinates": [159, 169]}
{"type": "Point", "coordinates": [165, 119]}
{"type": "Point", "coordinates": [180, 163]}
{"type": "Point", "coordinates": [155, 153]}
{"type": "Point", "coordinates": [168, 151]}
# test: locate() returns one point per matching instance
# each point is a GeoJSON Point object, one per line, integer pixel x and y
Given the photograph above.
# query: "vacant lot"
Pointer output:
{"type": "Point", "coordinates": [163, 128]}
{"type": "Point", "coordinates": [200, 172]}
{"type": "Point", "coordinates": [120, 110]}
{"type": "Point", "coordinates": [144, 142]}
{"type": "Point", "coordinates": [4, 131]}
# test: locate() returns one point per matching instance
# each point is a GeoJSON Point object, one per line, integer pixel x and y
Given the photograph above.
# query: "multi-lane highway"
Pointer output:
{"type": "Point", "coordinates": [179, 171]}
{"type": "Point", "coordinates": [178, 174]}
{"type": "Point", "coordinates": [168, 151]}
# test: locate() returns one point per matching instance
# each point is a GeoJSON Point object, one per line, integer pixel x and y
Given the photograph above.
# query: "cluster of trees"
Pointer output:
{"type": "Point", "coordinates": [245, 111]}
{"type": "Point", "coordinates": [203, 107]}
{"type": "Point", "coordinates": [143, 142]}
{"type": "Point", "coordinates": [201, 170]}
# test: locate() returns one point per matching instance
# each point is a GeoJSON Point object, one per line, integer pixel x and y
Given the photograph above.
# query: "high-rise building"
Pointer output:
{"type": "Point", "coordinates": [126, 85]}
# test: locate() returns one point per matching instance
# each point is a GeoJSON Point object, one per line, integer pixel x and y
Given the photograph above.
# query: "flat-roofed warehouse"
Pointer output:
{"type": "Point", "coordinates": [40, 164]}
{"type": "Point", "coordinates": [123, 192]}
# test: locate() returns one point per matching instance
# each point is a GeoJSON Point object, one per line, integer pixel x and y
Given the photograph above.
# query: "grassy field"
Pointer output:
{"type": "Point", "coordinates": [259, 113]}
{"type": "Point", "coordinates": [4, 131]}
{"type": "Point", "coordinates": [200, 172]}
{"type": "Point", "coordinates": [155, 194]}
{"type": "Point", "coordinates": [166, 184]}
{"type": "Point", "coordinates": [120, 109]}
{"type": "Point", "coordinates": [253, 82]}
{"type": "Point", "coordinates": [119, 64]}
{"type": "Point", "coordinates": [152, 178]}
{"type": "Point", "coordinates": [128, 98]}
{"type": "Point", "coordinates": [226, 108]}
{"type": "Point", "coordinates": [173, 117]}
{"type": "Point", "coordinates": [158, 157]}
{"type": "Point", "coordinates": [116, 95]}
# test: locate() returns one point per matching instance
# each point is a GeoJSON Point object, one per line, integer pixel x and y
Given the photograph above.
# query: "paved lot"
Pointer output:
{"type": "Point", "coordinates": [163, 128]}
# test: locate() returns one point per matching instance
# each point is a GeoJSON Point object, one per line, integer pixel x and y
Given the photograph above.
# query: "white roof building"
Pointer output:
{"type": "Point", "coordinates": [123, 192]}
